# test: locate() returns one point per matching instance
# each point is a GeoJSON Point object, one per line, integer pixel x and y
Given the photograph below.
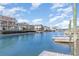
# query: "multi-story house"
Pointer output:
{"type": "Point", "coordinates": [31, 28]}
{"type": "Point", "coordinates": [7, 23]}
{"type": "Point", "coordinates": [46, 28]}
{"type": "Point", "coordinates": [25, 27]}
{"type": "Point", "coordinates": [22, 26]}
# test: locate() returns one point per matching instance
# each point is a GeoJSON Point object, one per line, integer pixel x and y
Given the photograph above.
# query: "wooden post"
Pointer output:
{"type": "Point", "coordinates": [70, 29]}
{"type": "Point", "coordinates": [74, 29]}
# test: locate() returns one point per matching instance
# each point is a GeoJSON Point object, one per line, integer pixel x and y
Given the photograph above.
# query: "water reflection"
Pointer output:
{"type": "Point", "coordinates": [30, 44]}
{"type": "Point", "coordinates": [65, 47]}
{"type": "Point", "coordinates": [7, 41]}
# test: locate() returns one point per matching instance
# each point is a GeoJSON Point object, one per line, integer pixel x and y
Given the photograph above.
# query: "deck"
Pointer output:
{"type": "Point", "coordinates": [62, 40]}
{"type": "Point", "coordinates": [67, 40]}
{"type": "Point", "coordinates": [49, 53]}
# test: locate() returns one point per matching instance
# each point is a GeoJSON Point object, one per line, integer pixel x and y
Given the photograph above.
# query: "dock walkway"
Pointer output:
{"type": "Point", "coordinates": [63, 39]}
{"type": "Point", "coordinates": [49, 53]}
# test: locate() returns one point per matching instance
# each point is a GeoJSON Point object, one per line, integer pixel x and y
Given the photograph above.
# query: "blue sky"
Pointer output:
{"type": "Point", "coordinates": [48, 14]}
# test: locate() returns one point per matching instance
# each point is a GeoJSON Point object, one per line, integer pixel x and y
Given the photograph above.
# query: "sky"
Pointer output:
{"type": "Point", "coordinates": [48, 14]}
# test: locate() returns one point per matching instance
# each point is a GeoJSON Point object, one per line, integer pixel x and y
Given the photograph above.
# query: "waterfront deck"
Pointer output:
{"type": "Point", "coordinates": [66, 40]}
{"type": "Point", "coordinates": [63, 40]}
{"type": "Point", "coordinates": [48, 53]}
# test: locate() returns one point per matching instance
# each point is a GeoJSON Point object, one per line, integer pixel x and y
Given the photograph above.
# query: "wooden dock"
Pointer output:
{"type": "Point", "coordinates": [63, 40]}
{"type": "Point", "coordinates": [77, 47]}
{"type": "Point", "coordinates": [49, 53]}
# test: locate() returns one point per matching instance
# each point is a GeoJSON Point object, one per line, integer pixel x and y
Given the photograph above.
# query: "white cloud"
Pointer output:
{"type": "Point", "coordinates": [2, 8]}
{"type": "Point", "coordinates": [37, 21]}
{"type": "Point", "coordinates": [60, 21]}
{"type": "Point", "coordinates": [50, 15]}
{"type": "Point", "coordinates": [64, 15]}
{"type": "Point", "coordinates": [35, 5]}
{"type": "Point", "coordinates": [63, 24]}
{"type": "Point", "coordinates": [17, 9]}
{"type": "Point", "coordinates": [57, 5]}
{"type": "Point", "coordinates": [55, 18]}
{"type": "Point", "coordinates": [18, 15]}
{"type": "Point", "coordinates": [12, 11]}
{"type": "Point", "coordinates": [22, 20]}
{"type": "Point", "coordinates": [59, 8]}
{"type": "Point", "coordinates": [65, 10]}
{"type": "Point", "coordinates": [62, 11]}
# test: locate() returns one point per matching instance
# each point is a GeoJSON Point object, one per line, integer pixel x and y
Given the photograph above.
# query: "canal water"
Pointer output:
{"type": "Point", "coordinates": [31, 44]}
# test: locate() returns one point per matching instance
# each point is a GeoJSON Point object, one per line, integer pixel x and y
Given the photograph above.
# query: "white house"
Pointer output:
{"type": "Point", "coordinates": [7, 23]}
{"type": "Point", "coordinates": [22, 26]}
{"type": "Point", "coordinates": [38, 27]}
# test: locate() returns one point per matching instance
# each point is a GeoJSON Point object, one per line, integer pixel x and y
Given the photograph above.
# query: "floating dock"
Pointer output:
{"type": "Point", "coordinates": [48, 53]}
{"type": "Point", "coordinates": [63, 40]}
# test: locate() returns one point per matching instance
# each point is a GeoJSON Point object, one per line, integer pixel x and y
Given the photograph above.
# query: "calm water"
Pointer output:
{"type": "Point", "coordinates": [31, 44]}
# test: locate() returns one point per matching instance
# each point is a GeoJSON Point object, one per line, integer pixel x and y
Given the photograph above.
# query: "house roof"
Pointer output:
{"type": "Point", "coordinates": [7, 18]}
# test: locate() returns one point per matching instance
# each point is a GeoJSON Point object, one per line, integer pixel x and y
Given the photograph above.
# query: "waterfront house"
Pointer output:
{"type": "Point", "coordinates": [46, 28]}
{"type": "Point", "coordinates": [31, 28]}
{"type": "Point", "coordinates": [38, 27]}
{"type": "Point", "coordinates": [7, 23]}
{"type": "Point", "coordinates": [53, 28]}
{"type": "Point", "coordinates": [23, 26]}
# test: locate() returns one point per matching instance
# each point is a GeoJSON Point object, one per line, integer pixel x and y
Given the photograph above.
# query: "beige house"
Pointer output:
{"type": "Point", "coordinates": [7, 23]}
{"type": "Point", "coordinates": [31, 28]}
{"type": "Point", "coordinates": [46, 28]}
{"type": "Point", "coordinates": [23, 26]}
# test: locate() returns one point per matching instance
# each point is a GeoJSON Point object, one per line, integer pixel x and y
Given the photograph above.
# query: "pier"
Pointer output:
{"type": "Point", "coordinates": [63, 40]}
{"type": "Point", "coordinates": [49, 53]}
